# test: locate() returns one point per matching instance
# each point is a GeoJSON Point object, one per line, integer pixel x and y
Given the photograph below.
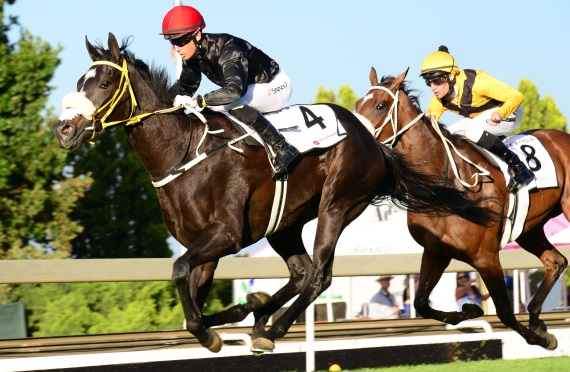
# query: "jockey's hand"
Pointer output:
{"type": "Point", "coordinates": [186, 101]}
{"type": "Point", "coordinates": [429, 115]}
{"type": "Point", "coordinates": [495, 119]}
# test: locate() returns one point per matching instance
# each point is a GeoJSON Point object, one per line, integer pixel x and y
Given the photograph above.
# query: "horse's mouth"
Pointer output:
{"type": "Point", "coordinates": [68, 137]}
{"type": "Point", "coordinates": [66, 129]}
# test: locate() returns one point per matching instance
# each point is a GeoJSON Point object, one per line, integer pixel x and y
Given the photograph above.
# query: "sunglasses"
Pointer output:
{"type": "Point", "coordinates": [437, 81]}
{"type": "Point", "coordinates": [183, 40]}
{"type": "Point", "coordinates": [461, 277]}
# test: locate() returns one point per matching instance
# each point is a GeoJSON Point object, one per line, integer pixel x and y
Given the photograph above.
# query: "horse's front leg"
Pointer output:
{"type": "Point", "coordinates": [289, 245]}
{"type": "Point", "coordinates": [193, 286]}
{"type": "Point", "coordinates": [432, 268]}
{"type": "Point", "coordinates": [193, 273]}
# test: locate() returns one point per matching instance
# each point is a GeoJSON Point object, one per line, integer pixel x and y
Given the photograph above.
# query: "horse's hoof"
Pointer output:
{"type": "Point", "coordinates": [472, 311]}
{"type": "Point", "coordinates": [261, 346]}
{"type": "Point", "coordinates": [552, 342]}
{"type": "Point", "coordinates": [214, 342]}
{"type": "Point", "coordinates": [258, 299]}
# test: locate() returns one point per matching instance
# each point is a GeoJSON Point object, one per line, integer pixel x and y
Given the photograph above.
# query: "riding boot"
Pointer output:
{"type": "Point", "coordinates": [520, 174]}
{"type": "Point", "coordinates": [283, 153]}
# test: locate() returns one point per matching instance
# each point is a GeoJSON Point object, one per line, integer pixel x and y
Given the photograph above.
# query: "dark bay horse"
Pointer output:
{"type": "Point", "coordinates": [223, 202]}
{"type": "Point", "coordinates": [396, 114]}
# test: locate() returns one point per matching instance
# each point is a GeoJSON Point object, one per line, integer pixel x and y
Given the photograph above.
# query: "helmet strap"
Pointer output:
{"type": "Point", "coordinates": [196, 41]}
{"type": "Point", "coordinates": [451, 83]}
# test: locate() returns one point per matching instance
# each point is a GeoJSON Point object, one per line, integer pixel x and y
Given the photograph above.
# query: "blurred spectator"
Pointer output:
{"type": "Point", "coordinates": [467, 291]}
{"type": "Point", "coordinates": [383, 304]}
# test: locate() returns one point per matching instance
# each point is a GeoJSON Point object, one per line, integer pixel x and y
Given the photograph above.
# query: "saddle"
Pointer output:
{"type": "Point", "coordinates": [484, 153]}
{"type": "Point", "coordinates": [306, 127]}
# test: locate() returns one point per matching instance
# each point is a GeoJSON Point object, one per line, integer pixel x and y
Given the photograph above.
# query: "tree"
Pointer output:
{"type": "Point", "coordinates": [121, 208]}
{"type": "Point", "coordinates": [346, 97]}
{"type": "Point", "coordinates": [539, 112]}
{"type": "Point", "coordinates": [35, 196]}
{"type": "Point", "coordinates": [62, 309]}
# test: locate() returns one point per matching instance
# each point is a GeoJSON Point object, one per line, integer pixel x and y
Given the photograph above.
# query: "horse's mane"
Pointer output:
{"type": "Point", "coordinates": [411, 93]}
{"type": "Point", "coordinates": [156, 76]}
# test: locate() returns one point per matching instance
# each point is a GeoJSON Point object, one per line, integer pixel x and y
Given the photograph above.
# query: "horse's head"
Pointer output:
{"type": "Point", "coordinates": [379, 105]}
{"type": "Point", "coordinates": [100, 96]}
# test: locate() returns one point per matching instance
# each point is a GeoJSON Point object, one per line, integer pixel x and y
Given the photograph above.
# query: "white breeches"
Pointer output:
{"type": "Point", "coordinates": [473, 128]}
{"type": "Point", "coordinates": [264, 97]}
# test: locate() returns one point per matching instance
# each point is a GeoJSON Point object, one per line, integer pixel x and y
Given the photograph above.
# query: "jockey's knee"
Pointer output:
{"type": "Point", "coordinates": [245, 114]}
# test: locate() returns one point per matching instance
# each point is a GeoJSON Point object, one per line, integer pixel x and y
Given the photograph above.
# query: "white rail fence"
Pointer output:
{"type": "Point", "coordinates": [146, 269]}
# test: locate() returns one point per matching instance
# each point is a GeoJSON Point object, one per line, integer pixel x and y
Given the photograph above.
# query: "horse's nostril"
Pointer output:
{"type": "Point", "coordinates": [65, 129]}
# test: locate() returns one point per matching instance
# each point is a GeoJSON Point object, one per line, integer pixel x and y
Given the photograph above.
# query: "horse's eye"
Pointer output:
{"type": "Point", "coordinates": [380, 106]}
{"type": "Point", "coordinates": [105, 84]}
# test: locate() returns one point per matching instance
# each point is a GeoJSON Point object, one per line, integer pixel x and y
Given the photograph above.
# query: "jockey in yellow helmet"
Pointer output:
{"type": "Point", "coordinates": [490, 108]}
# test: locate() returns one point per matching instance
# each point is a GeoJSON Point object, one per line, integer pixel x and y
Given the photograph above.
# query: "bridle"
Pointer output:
{"type": "Point", "coordinates": [393, 117]}
{"type": "Point", "coordinates": [100, 125]}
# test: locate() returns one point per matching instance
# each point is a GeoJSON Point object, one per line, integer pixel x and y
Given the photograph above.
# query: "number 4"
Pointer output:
{"type": "Point", "coordinates": [311, 119]}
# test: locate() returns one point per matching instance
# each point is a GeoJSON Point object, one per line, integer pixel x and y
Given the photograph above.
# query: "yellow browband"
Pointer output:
{"type": "Point", "coordinates": [124, 84]}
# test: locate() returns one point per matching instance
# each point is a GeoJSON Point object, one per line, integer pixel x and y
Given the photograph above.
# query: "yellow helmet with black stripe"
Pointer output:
{"type": "Point", "coordinates": [439, 63]}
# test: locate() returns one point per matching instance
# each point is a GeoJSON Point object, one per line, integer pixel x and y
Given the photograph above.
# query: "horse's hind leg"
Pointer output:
{"type": "Point", "coordinates": [319, 277]}
{"type": "Point", "coordinates": [554, 263]}
{"type": "Point", "coordinates": [433, 266]}
{"type": "Point", "coordinates": [237, 313]}
{"type": "Point", "coordinates": [492, 274]}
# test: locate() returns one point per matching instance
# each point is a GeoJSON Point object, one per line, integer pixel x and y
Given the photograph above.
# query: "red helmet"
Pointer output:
{"type": "Point", "coordinates": [181, 20]}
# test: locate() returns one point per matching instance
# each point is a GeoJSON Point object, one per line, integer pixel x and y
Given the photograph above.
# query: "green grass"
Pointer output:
{"type": "Point", "coordinates": [519, 365]}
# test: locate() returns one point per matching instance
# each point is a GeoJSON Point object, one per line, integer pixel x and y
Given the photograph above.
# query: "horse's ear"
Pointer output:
{"type": "Point", "coordinates": [93, 52]}
{"type": "Point", "coordinates": [114, 47]}
{"type": "Point", "coordinates": [397, 81]}
{"type": "Point", "coordinates": [373, 77]}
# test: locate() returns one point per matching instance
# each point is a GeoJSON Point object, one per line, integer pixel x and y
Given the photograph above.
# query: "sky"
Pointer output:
{"type": "Point", "coordinates": [327, 43]}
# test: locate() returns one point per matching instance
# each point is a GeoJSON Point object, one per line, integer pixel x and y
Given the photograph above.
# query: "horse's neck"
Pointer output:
{"type": "Point", "coordinates": [162, 140]}
{"type": "Point", "coordinates": [421, 141]}
{"type": "Point", "coordinates": [165, 141]}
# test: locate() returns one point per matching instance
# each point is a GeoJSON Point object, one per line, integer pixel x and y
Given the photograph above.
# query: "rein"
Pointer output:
{"type": "Point", "coordinates": [393, 117]}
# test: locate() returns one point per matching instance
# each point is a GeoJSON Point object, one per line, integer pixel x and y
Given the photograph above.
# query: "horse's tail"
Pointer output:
{"type": "Point", "coordinates": [422, 193]}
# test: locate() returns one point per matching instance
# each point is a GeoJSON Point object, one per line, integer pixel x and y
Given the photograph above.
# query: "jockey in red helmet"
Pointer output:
{"type": "Point", "coordinates": [250, 82]}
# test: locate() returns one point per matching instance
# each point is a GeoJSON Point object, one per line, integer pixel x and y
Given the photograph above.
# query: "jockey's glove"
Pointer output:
{"type": "Point", "coordinates": [186, 101]}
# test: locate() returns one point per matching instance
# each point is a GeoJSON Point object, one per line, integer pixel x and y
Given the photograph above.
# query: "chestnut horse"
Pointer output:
{"type": "Point", "coordinates": [224, 201]}
{"type": "Point", "coordinates": [443, 238]}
